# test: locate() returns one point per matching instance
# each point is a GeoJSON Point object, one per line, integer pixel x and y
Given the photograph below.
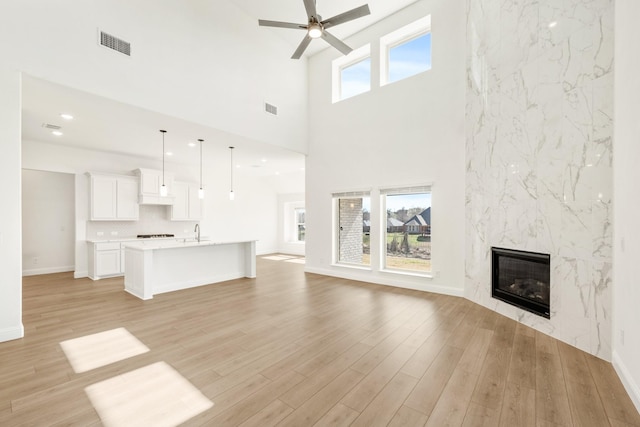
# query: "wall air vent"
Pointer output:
{"type": "Point", "coordinates": [50, 126]}
{"type": "Point", "coordinates": [112, 42]}
{"type": "Point", "coordinates": [271, 109]}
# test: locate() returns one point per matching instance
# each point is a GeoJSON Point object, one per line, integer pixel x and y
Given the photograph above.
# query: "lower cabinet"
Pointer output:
{"type": "Point", "coordinates": [105, 260]}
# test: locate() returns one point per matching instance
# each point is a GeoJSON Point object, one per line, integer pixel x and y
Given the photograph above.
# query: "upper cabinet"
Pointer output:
{"type": "Point", "coordinates": [150, 182]}
{"type": "Point", "coordinates": [113, 197]}
{"type": "Point", "coordinates": [187, 205]}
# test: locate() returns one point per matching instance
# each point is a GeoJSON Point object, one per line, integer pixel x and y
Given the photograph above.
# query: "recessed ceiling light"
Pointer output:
{"type": "Point", "coordinates": [263, 160]}
{"type": "Point", "coordinates": [57, 133]}
{"type": "Point", "coordinates": [277, 173]}
{"type": "Point", "coordinates": [553, 24]}
{"type": "Point", "coordinates": [191, 144]}
{"type": "Point", "coordinates": [66, 116]}
{"type": "Point", "coordinates": [169, 153]}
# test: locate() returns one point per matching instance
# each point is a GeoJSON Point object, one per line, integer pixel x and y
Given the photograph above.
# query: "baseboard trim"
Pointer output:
{"type": "Point", "coordinates": [10, 334]}
{"type": "Point", "coordinates": [397, 282]}
{"type": "Point", "coordinates": [80, 274]}
{"type": "Point", "coordinates": [49, 270]}
{"type": "Point", "coordinates": [627, 380]}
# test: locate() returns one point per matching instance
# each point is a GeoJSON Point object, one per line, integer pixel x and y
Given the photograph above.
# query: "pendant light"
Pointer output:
{"type": "Point", "coordinates": [163, 189]}
{"type": "Point", "coordinates": [231, 195]}
{"type": "Point", "coordinates": [201, 190]}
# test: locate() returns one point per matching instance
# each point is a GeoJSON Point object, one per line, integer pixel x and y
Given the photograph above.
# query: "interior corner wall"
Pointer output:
{"type": "Point", "coordinates": [409, 132]}
{"type": "Point", "coordinates": [539, 156]}
{"type": "Point", "coordinates": [626, 295]}
{"type": "Point", "coordinates": [10, 213]}
{"type": "Point", "coordinates": [48, 222]}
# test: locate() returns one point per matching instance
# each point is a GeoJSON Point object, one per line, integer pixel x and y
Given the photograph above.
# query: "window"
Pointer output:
{"type": "Point", "coordinates": [407, 242]}
{"type": "Point", "coordinates": [352, 74]}
{"type": "Point", "coordinates": [353, 222]}
{"type": "Point", "coordinates": [406, 52]}
{"type": "Point", "coordinates": [300, 227]}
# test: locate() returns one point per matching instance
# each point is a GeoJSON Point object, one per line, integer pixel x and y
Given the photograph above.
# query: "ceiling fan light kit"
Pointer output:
{"type": "Point", "coordinates": [317, 28]}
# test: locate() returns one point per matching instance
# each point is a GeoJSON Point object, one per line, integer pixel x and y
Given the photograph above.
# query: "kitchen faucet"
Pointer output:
{"type": "Point", "coordinates": [197, 231]}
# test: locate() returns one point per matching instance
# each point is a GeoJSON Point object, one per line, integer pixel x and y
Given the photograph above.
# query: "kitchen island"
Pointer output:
{"type": "Point", "coordinates": [154, 267]}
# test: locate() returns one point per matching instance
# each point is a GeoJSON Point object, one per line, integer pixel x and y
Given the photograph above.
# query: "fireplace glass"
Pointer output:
{"type": "Point", "coordinates": [522, 279]}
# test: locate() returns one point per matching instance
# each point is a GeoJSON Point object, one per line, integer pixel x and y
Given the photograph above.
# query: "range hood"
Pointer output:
{"type": "Point", "coordinates": [150, 182]}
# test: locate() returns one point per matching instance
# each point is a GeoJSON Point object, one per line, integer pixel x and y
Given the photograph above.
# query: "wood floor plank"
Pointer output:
{"type": "Point", "coordinates": [427, 392]}
{"type": "Point", "coordinates": [339, 415]}
{"type": "Point", "coordinates": [385, 405]}
{"type": "Point", "coordinates": [406, 416]}
{"type": "Point", "coordinates": [296, 348]}
{"type": "Point", "coordinates": [320, 403]}
{"type": "Point", "coordinates": [518, 406]}
{"type": "Point", "coordinates": [361, 395]}
{"type": "Point", "coordinates": [615, 400]}
{"type": "Point", "coordinates": [269, 416]}
{"type": "Point", "coordinates": [454, 401]}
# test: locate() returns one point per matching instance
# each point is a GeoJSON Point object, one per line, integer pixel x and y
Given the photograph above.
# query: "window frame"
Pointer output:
{"type": "Point", "coordinates": [395, 191]}
{"type": "Point", "coordinates": [336, 228]}
{"type": "Point", "coordinates": [339, 64]}
{"type": "Point", "coordinates": [399, 37]}
{"type": "Point", "coordinates": [296, 224]}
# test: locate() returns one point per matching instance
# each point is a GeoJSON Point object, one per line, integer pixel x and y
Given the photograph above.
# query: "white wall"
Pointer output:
{"type": "Point", "coordinates": [10, 216]}
{"type": "Point", "coordinates": [48, 222]}
{"type": "Point", "coordinates": [407, 133]}
{"type": "Point", "coordinates": [251, 216]}
{"type": "Point", "coordinates": [626, 296]}
{"type": "Point", "coordinates": [203, 61]}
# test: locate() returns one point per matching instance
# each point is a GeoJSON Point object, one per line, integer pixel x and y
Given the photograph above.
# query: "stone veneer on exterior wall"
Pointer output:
{"type": "Point", "coordinates": [350, 231]}
{"type": "Point", "coordinates": [539, 155]}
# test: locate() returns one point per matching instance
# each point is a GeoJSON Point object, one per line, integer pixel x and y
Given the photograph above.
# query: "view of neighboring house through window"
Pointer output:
{"type": "Point", "coordinates": [300, 227]}
{"type": "Point", "coordinates": [406, 52]}
{"type": "Point", "coordinates": [408, 233]}
{"type": "Point", "coordinates": [353, 224]}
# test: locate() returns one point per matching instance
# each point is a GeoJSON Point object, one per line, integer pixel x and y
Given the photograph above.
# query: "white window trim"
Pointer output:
{"type": "Point", "coordinates": [408, 32]}
{"type": "Point", "coordinates": [391, 191]}
{"type": "Point", "coordinates": [343, 62]}
{"type": "Point", "coordinates": [335, 197]}
{"type": "Point", "coordinates": [296, 224]}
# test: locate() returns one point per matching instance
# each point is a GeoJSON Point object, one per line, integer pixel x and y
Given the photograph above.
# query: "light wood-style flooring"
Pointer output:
{"type": "Point", "coordinates": [296, 349]}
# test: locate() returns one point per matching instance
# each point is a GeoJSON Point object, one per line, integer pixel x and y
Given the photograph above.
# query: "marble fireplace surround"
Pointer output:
{"type": "Point", "coordinates": [539, 156]}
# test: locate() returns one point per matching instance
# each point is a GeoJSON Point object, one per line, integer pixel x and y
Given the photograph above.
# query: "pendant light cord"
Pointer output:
{"type": "Point", "coordinates": [231, 171]}
{"type": "Point", "coordinates": [163, 132]}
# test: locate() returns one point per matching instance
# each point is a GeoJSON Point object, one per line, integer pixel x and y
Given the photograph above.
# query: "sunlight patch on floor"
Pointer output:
{"type": "Point", "coordinates": [155, 395]}
{"type": "Point", "coordinates": [277, 257]}
{"type": "Point", "coordinates": [296, 260]}
{"type": "Point", "coordinates": [101, 349]}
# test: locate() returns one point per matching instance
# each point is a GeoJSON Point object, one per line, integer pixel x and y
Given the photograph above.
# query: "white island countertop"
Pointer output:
{"type": "Point", "coordinates": [160, 266]}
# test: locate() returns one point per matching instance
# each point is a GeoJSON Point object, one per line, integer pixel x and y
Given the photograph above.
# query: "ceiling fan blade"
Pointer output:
{"type": "Point", "coordinates": [347, 16]}
{"type": "Point", "coordinates": [265, 23]}
{"type": "Point", "coordinates": [310, 7]}
{"type": "Point", "coordinates": [337, 43]}
{"type": "Point", "coordinates": [301, 48]}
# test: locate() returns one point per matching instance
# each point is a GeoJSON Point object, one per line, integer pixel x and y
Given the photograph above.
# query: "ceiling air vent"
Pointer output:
{"type": "Point", "coordinates": [271, 109]}
{"type": "Point", "coordinates": [112, 42]}
{"type": "Point", "coordinates": [50, 126]}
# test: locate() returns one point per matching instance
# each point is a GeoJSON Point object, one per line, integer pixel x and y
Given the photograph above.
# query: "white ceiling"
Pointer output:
{"type": "Point", "coordinates": [294, 11]}
{"type": "Point", "coordinates": [105, 125]}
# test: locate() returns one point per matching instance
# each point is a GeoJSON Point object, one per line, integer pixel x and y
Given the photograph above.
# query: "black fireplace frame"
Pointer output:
{"type": "Point", "coordinates": [528, 304]}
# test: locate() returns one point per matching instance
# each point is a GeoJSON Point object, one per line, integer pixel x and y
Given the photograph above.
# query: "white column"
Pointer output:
{"type": "Point", "coordinates": [10, 208]}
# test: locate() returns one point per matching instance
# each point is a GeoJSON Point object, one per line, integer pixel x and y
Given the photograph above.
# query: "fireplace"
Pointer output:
{"type": "Point", "coordinates": [522, 279]}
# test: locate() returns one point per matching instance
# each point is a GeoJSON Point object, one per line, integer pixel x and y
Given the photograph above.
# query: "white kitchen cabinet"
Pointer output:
{"type": "Point", "coordinates": [150, 183]}
{"type": "Point", "coordinates": [187, 206]}
{"type": "Point", "coordinates": [105, 260]}
{"type": "Point", "coordinates": [113, 198]}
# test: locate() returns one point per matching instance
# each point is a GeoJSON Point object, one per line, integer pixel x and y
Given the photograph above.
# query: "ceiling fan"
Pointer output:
{"type": "Point", "coordinates": [316, 27]}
